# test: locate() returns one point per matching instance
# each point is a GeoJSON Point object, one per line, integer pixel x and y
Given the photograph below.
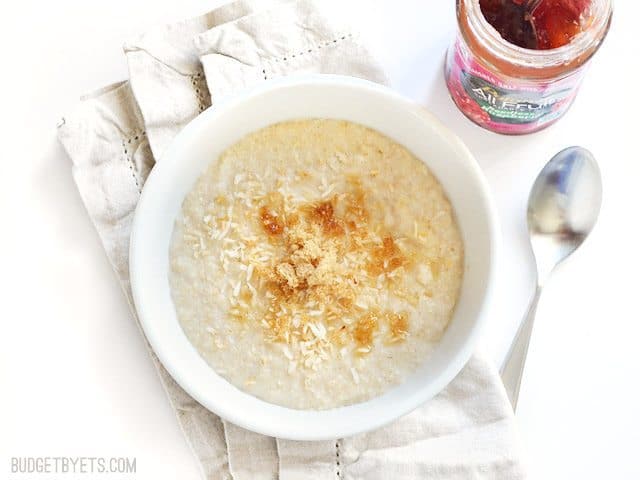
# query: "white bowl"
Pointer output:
{"type": "Point", "coordinates": [216, 129]}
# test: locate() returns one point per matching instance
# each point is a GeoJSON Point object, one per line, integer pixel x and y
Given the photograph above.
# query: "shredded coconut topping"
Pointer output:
{"type": "Point", "coordinates": [313, 270]}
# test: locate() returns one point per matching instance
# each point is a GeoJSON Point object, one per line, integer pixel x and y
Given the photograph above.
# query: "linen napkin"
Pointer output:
{"type": "Point", "coordinates": [114, 138]}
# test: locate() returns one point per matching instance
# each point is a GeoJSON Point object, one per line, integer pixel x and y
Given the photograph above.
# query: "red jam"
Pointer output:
{"type": "Point", "coordinates": [536, 24]}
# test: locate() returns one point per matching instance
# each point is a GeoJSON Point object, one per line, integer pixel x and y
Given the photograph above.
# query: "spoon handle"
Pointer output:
{"type": "Point", "coordinates": [513, 366]}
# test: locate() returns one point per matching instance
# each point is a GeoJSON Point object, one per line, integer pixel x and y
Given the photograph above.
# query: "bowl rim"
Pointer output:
{"type": "Point", "coordinates": [286, 429]}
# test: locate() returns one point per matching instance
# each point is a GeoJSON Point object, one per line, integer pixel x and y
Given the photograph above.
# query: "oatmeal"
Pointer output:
{"type": "Point", "coordinates": [315, 264]}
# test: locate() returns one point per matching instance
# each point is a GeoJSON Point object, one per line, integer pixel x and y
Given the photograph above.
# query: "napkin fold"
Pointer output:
{"type": "Point", "coordinates": [166, 75]}
{"type": "Point", "coordinates": [115, 136]}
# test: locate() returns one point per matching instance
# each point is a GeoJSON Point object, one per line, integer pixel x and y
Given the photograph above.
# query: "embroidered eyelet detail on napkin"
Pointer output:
{"type": "Point", "coordinates": [127, 149]}
{"type": "Point", "coordinates": [302, 53]}
{"type": "Point", "coordinates": [197, 82]}
{"type": "Point", "coordinates": [338, 470]}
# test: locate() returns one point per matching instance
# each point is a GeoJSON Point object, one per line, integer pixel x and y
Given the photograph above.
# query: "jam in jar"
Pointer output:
{"type": "Point", "coordinates": [516, 65]}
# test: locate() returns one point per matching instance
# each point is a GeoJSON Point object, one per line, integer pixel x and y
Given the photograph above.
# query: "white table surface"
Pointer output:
{"type": "Point", "coordinates": [75, 379]}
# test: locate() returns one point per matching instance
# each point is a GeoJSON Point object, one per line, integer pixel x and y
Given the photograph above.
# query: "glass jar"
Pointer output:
{"type": "Point", "coordinates": [513, 90]}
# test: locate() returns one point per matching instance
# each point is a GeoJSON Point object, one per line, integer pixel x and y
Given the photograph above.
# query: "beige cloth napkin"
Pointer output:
{"type": "Point", "coordinates": [114, 138]}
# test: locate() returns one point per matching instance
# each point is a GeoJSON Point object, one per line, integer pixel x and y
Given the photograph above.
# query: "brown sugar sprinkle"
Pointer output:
{"type": "Point", "coordinates": [365, 328]}
{"type": "Point", "coordinates": [398, 325]}
{"type": "Point", "coordinates": [270, 222]}
{"type": "Point", "coordinates": [323, 213]}
{"type": "Point", "coordinates": [292, 220]}
{"type": "Point", "coordinates": [386, 257]}
{"type": "Point", "coordinates": [319, 288]}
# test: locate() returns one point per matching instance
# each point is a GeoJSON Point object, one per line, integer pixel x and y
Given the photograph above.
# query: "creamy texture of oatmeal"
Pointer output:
{"type": "Point", "coordinates": [315, 264]}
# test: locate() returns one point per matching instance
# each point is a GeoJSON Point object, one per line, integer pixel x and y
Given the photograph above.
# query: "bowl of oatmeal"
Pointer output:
{"type": "Point", "coordinates": [313, 258]}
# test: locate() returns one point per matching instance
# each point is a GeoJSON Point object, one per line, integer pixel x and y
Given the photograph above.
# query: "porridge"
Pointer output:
{"type": "Point", "coordinates": [315, 264]}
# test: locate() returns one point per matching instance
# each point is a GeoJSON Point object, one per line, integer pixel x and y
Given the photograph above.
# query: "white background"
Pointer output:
{"type": "Point", "coordinates": [75, 379]}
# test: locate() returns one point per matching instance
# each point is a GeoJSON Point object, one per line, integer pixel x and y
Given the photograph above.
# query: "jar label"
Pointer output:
{"type": "Point", "coordinates": [504, 104]}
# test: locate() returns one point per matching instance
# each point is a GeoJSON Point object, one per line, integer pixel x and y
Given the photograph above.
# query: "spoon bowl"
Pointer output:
{"type": "Point", "coordinates": [563, 207]}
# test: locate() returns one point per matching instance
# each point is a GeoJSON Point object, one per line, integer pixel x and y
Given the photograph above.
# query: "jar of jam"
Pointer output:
{"type": "Point", "coordinates": [516, 65]}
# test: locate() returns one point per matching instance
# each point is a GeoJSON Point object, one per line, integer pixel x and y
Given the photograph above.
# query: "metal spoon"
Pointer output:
{"type": "Point", "coordinates": [563, 208]}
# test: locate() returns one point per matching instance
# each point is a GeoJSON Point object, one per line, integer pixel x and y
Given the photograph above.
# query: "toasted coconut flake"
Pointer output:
{"type": "Point", "coordinates": [361, 305]}
{"type": "Point", "coordinates": [318, 330]}
{"type": "Point", "coordinates": [249, 272]}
